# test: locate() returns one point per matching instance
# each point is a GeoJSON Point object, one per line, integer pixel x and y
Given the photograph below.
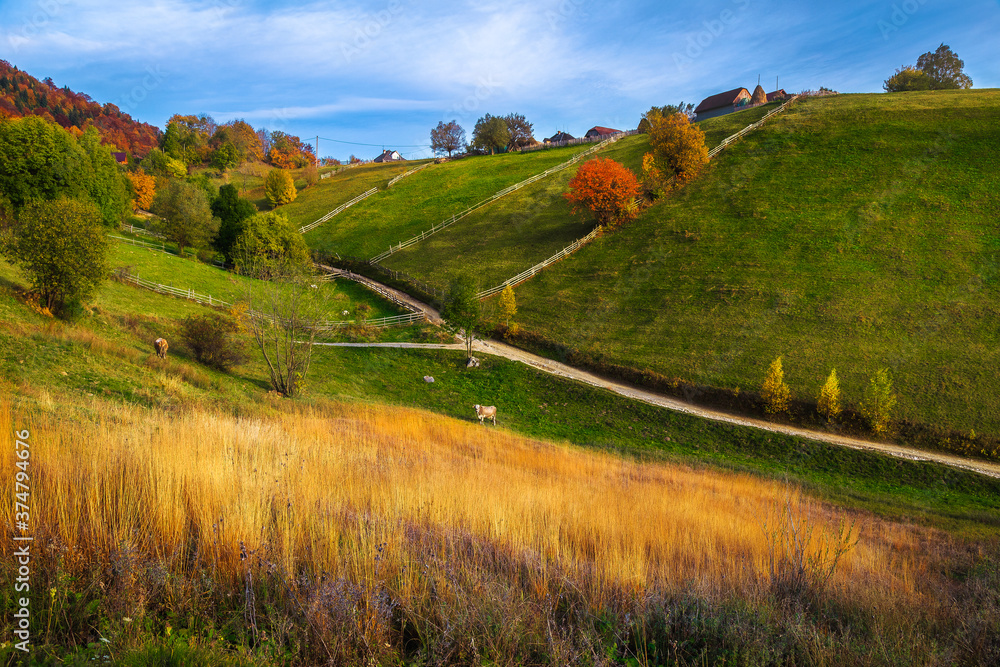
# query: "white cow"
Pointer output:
{"type": "Point", "coordinates": [486, 412]}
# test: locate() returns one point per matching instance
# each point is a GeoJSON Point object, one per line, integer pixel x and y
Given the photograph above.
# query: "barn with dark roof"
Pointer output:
{"type": "Point", "coordinates": [722, 103]}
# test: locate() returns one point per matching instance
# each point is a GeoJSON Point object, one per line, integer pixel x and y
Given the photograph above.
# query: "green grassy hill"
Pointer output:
{"type": "Point", "coordinates": [422, 200]}
{"type": "Point", "coordinates": [855, 232]}
{"type": "Point", "coordinates": [341, 187]}
{"type": "Point", "coordinates": [533, 224]}
{"type": "Point", "coordinates": [512, 234]}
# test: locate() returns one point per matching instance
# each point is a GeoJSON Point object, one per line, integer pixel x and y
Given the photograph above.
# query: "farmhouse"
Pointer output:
{"type": "Point", "coordinates": [779, 94]}
{"type": "Point", "coordinates": [722, 103]}
{"type": "Point", "coordinates": [599, 131]}
{"type": "Point", "coordinates": [559, 136]}
{"type": "Point", "coordinates": [120, 157]}
{"type": "Point", "coordinates": [389, 156]}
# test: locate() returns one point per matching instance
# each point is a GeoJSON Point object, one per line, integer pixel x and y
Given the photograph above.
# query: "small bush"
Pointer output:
{"type": "Point", "coordinates": [213, 341]}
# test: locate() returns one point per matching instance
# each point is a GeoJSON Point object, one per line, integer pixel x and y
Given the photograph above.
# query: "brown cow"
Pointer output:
{"type": "Point", "coordinates": [160, 345]}
{"type": "Point", "coordinates": [486, 412]}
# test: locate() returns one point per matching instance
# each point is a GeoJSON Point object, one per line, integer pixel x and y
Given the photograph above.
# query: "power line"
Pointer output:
{"type": "Point", "coordinates": [355, 143]}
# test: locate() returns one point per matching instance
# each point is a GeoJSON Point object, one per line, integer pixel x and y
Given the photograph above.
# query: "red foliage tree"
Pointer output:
{"type": "Point", "coordinates": [605, 188]}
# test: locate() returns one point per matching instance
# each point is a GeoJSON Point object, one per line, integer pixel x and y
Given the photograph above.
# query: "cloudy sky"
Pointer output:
{"type": "Point", "coordinates": [385, 72]}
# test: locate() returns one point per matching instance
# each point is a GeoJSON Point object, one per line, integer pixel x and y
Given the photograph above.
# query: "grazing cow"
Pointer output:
{"type": "Point", "coordinates": [160, 345]}
{"type": "Point", "coordinates": [486, 412]}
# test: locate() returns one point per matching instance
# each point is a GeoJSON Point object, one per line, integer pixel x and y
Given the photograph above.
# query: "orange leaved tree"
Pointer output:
{"type": "Point", "coordinates": [143, 188]}
{"type": "Point", "coordinates": [607, 189]}
{"type": "Point", "coordinates": [679, 152]}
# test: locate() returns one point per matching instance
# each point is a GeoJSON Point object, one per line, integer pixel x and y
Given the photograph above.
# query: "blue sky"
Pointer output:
{"type": "Point", "coordinates": [385, 72]}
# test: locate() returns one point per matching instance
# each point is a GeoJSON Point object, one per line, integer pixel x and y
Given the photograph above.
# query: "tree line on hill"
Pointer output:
{"type": "Point", "coordinates": [492, 134]}
{"type": "Point", "coordinates": [60, 195]}
{"type": "Point", "coordinates": [23, 95]}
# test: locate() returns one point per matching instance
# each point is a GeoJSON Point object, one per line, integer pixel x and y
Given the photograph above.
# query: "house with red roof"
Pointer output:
{"type": "Point", "coordinates": [598, 131]}
{"type": "Point", "coordinates": [722, 103]}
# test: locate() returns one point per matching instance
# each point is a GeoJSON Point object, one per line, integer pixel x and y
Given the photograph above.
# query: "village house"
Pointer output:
{"type": "Point", "coordinates": [559, 137]}
{"type": "Point", "coordinates": [389, 156]}
{"type": "Point", "coordinates": [722, 103]}
{"type": "Point", "coordinates": [598, 131]}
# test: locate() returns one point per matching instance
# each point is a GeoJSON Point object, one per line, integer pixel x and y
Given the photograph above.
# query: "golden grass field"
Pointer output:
{"type": "Point", "coordinates": [429, 512]}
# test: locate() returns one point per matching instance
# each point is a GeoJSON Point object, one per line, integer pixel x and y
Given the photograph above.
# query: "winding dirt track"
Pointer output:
{"type": "Point", "coordinates": [562, 370]}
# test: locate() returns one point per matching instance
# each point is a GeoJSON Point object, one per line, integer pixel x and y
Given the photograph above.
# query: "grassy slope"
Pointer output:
{"type": "Point", "coordinates": [427, 198]}
{"type": "Point", "coordinates": [533, 224]}
{"type": "Point", "coordinates": [109, 355]}
{"type": "Point", "coordinates": [343, 186]}
{"type": "Point", "coordinates": [512, 234]}
{"type": "Point", "coordinates": [854, 232]}
{"type": "Point", "coordinates": [189, 274]}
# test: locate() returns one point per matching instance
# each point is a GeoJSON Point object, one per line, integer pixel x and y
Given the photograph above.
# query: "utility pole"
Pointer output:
{"type": "Point", "coordinates": [317, 151]}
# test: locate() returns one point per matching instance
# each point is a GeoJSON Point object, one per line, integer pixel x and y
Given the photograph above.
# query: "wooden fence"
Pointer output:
{"type": "Point", "coordinates": [376, 287]}
{"type": "Point", "coordinates": [341, 168]}
{"type": "Point", "coordinates": [524, 275]}
{"type": "Point", "coordinates": [339, 209]}
{"type": "Point", "coordinates": [408, 173]}
{"type": "Point", "coordinates": [749, 128]}
{"type": "Point", "coordinates": [161, 247]}
{"type": "Point", "coordinates": [323, 325]}
{"type": "Point", "coordinates": [502, 193]}
{"type": "Point", "coordinates": [141, 231]}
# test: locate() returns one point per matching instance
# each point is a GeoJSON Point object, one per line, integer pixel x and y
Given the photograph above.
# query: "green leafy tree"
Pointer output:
{"type": "Point", "coordinates": [879, 401]}
{"type": "Point", "coordinates": [279, 188]}
{"type": "Point", "coordinates": [269, 239]}
{"type": "Point", "coordinates": [225, 156]}
{"type": "Point", "coordinates": [62, 248]}
{"type": "Point", "coordinates": [519, 131]}
{"type": "Point", "coordinates": [158, 163]}
{"type": "Point", "coordinates": [231, 210]}
{"type": "Point", "coordinates": [187, 217]}
{"type": "Point", "coordinates": [447, 137]}
{"type": "Point", "coordinates": [941, 69]}
{"type": "Point", "coordinates": [828, 402]}
{"type": "Point", "coordinates": [461, 309]}
{"type": "Point", "coordinates": [944, 68]}
{"type": "Point", "coordinates": [776, 394]}
{"type": "Point", "coordinates": [491, 134]}
{"type": "Point", "coordinates": [41, 161]}
{"type": "Point", "coordinates": [107, 184]}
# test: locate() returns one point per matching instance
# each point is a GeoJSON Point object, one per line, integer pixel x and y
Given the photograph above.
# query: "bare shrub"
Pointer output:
{"type": "Point", "coordinates": [214, 341]}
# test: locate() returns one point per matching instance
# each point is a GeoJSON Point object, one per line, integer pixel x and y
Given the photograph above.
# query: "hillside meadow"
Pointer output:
{"type": "Point", "coordinates": [418, 202]}
{"type": "Point", "coordinates": [854, 232]}
{"type": "Point", "coordinates": [189, 516]}
{"type": "Point", "coordinates": [349, 533]}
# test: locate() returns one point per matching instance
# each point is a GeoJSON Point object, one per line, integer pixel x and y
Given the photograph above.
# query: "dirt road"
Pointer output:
{"type": "Point", "coordinates": [562, 370]}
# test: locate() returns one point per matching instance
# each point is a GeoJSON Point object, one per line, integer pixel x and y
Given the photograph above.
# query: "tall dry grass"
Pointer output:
{"type": "Point", "coordinates": [392, 522]}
